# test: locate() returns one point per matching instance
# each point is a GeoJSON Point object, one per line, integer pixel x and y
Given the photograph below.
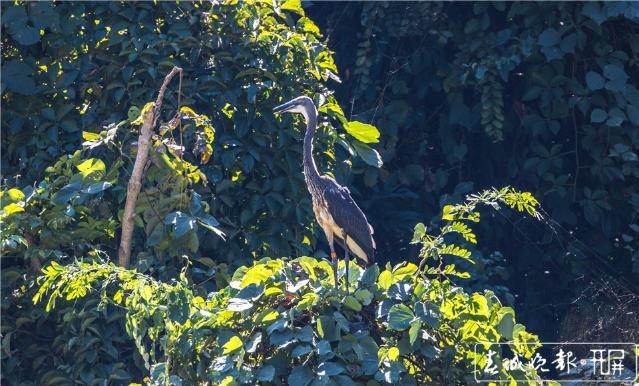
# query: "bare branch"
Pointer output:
{"type": "Point", "coordinates": [135, 182]}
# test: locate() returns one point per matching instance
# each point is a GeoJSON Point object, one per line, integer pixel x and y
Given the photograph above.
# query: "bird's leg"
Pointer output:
{"type": "Point", "coordinates": [346, 261]}
{"type": "Point", "coordinates": [333, 258]}
{"type": "Point", "coordinates": [334, 262]}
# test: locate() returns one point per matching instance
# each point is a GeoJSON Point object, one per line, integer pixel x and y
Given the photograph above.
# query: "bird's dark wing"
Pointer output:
{"type": "Point", "coordinates": [348, 216]}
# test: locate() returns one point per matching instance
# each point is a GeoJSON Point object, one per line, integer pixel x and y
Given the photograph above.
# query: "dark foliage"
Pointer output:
{"type": "Point", "coordinates": [542, 96]}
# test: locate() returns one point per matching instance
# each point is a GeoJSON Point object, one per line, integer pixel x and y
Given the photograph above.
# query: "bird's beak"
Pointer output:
{"type": "Point", "coordinates": [284, 107]}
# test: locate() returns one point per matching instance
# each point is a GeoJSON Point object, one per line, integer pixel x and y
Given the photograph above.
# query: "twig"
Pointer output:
{"type": "Point", "coordinates": [135, 182]}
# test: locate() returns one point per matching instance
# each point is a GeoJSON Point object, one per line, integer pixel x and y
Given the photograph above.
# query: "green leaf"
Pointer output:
{"type": "Point", "coordinates": [181, 222]}
{"type": "Point", "coordinates": [301, 350]}
{"type": "Point", "coordinates": [479, 305]}
{"type": "Point", "coordinates": [233, 344]}
{"type": "Point", "coordinates": [12, 208]}
{"type": "Point", "coordinates": [598, 116]}
{"type": "Point", "coordinates": [400, 317]}
{"type": "Point", "coordinates": [414, 331]}
{"type": "Point", "coordinates": [93, 167]}
{"type": "Point", "coordinates": [363, 132]}
{"type": "Point", "coordinates": [67, 192]}
{"type": "Point", "coordinates": [266, 373]}
{"type": "Point", "coordinates": [326, 328]}
{"type": "Point", "coordinates": [328, 369]}
{"type": "Point", "coordinates": [364, 296]}
{"type": "Point", "coordinates": [157, 235]}
{"type": "Point", "coordinates": [368, 154]}
{"type": "Point", "coordinates": [506, 322]}
{"type": "Point", "coordinates": [300, 376]}
{"type": "Point", "coordinates": [14, 195]}
{"type": "Point", "coordinates": [239, 305]}
{"type": "Point", "coordinates": [97, 187]}
{"type": "Point", "coordinates": [418, 233]}
{"type": "Point", "coordinates": [633, 116]}
{"type": "Point", "coordinates": [16, 76]}
{"type": "Point", "coordinates": [352, 303]}
{"type": "Point", "coordinates": [370, 275]}
{"type": "Point", "coordinates": [405, 270]}
{"type": "Point", "coordinates": [17, 22]}
{"type": "Point", "coordinates": [549, 37]}
{"type": "Point", "coordinates": [393, 354]}
{"type": "Point", "coordinates": [448, 213]}
{"type": "Point", "coordinates": [594, 81]}
{"type": "Point", "coordinates": [615, 117]}
{"type": "Point", "coordinates": [385, 279]}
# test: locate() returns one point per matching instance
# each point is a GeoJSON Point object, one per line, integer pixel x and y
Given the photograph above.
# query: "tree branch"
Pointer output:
{"type": "Point", "coordinates": [135, 182]}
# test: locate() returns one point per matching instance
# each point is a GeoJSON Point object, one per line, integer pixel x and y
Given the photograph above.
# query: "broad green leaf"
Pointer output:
{"type": "Point", "coordinates": [308, 301]}
{"type": "Point", "coordinates": [146, 292]}
{"type": "Point", "coordinates": [12, 195]}
{"type": "Point", "coordinates": [266, 317]}
{"type": "Point", "coordinates": [308, 263]}
{"type": "Point", "coordinates": [89, 136]}
{"type": "Point", "coordinates": [228, 381]}
{"type": "Point", "coordinates": [393, 354]}
{"type": "Point", "coordinates": [364, 296]}
{"type": "Point", "coordinates": [525, 343]}
{"type": "Point", "coordinates": [352, 303]}
{"type": "Point", "coordinates": [301, 350]}
{"type": "Point", "coordinates": [414, 331]}
{"type": "Point", "coordinates": [97, 187]}
{"type": "Point", "coordinates": [400, 317]}
{"type": "Point", "coordinates": [265, 373]}
{"type": "Point", "coordinates": [598, 116]}
{"type": "Point", "coordinates": [328, 369]}
{"type": "Point", "coordinates": [363, 132]}
{"type": "Point", "coordinates": [594, 81]}
{"type": "Point", "coordinates": [404, 271]}
{"type": "Point", "coordinates": [12, 208]}
{"type": "Point", "coordinates": [92, 165]}
{"type": "Point", "coordinates": [301, 376]}
{"type": "Point", "coordinates": [385, 279]}
{"type": "Point", "coordinates": [506, 322]}
{"type": "Point", "coordinates": [233, 344]}
{"type": "Point", "coordinates": [368, 154]}
{"type": "Point", "coordinates": [418, 233]}
{"type": "Point", "coordinates": [239, 305]}
{"type": "Point", "coordinates": [448, 213]}
{"type": "Point", "coordinates": [256, 275]}
{"type": "Point", "coordinates": [181, 223]}
{"type": "Point", "coordinates": [326, 328]}
{"type": "Point", "coordinates": [479, 305]}
{"type": "Point", "coordinates": [334, 110]}
{"type": "Point", "coordinates": [370, 275]}
{"type": "Point", "coordinates": [67, 192]}
{"type": "Point", "coordinates": [549, 37]}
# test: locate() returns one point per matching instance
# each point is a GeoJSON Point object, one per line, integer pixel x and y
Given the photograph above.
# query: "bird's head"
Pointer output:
{"type": "Point", "coordinates": [302, 105]}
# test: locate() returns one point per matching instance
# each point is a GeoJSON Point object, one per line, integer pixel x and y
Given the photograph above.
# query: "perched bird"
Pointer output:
{"type": "Point", "coordinates": [336, 212]}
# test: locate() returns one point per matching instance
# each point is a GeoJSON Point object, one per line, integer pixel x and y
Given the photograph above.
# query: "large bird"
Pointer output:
{"type": "Point", "coordinates": [336, 212]}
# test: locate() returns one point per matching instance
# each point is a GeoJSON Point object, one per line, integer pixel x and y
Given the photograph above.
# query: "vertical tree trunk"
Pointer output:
{"type": "Point", "coordinates": [135, 182]}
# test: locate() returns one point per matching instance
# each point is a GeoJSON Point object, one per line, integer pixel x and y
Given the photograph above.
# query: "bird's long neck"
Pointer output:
{"type": "Point", "coordinates": [310, 168]}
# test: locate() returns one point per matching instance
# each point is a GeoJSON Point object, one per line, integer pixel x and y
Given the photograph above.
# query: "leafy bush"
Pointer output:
{"type": "Point", "coordinates": [283, 321]}
{"type": "Point", "coordinates": [102, 62]}
{"type": "Point", "coordinates": [73, 211]}
{"type": "Point", "coordinates": [71, 97]}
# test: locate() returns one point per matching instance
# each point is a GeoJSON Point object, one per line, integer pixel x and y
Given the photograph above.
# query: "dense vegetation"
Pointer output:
{"type": "Point", "coordinates": [541, 96]}
{"type": "Point", "coordinates": [285, 321]}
